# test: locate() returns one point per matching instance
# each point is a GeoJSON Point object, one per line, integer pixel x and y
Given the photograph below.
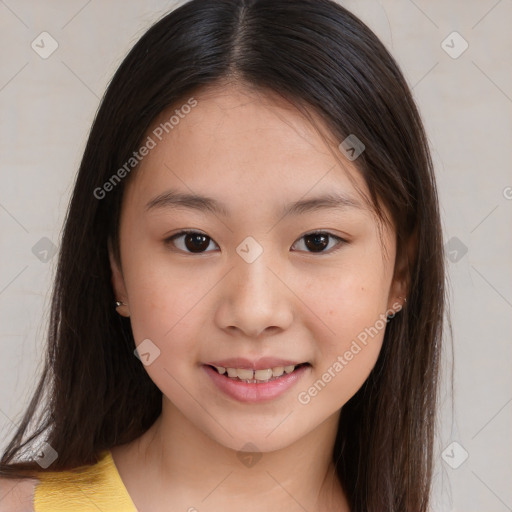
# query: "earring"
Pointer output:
{"type": "Point", "coordinates": [395, 311]}
{"type": "Point", "coordinates": [122, 308]}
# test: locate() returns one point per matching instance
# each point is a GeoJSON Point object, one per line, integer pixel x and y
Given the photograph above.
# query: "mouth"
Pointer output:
{"type": "Point", "coordinates": [261, 376]}
{"type": "Point", "coordinates": [256, 386]}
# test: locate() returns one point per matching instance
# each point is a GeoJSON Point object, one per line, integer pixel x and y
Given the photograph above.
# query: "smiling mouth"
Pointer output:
{"type": "Point", "coordinates": [256, 376]}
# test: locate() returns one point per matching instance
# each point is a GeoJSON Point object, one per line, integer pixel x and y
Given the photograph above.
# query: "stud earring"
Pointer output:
{"type": "Point", "coordinates": [393, 312]}
{"type": "Point", "coordinates": [122, 308]}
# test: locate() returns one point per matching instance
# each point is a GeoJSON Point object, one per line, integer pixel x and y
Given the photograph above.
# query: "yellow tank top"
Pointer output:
{"type": "Point", "coordinates": [84, 489]}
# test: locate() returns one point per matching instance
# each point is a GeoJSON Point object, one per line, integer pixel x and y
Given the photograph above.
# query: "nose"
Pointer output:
{"type": "Point", "coordinates": [254, 298]}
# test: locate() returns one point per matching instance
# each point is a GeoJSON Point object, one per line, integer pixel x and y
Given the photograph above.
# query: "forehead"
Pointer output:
{"type": "Point", "coordinates": [243, 147]}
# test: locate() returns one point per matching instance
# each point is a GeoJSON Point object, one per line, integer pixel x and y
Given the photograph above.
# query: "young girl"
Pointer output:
{"type": "Point", "coordinates": [247, 312]}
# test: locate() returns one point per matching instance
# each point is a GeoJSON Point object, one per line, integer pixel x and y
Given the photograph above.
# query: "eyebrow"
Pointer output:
{"type": "Point", "coordinates": [176, 199]}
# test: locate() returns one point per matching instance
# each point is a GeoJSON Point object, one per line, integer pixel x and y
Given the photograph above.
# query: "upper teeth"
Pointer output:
{"type": "Point", "coordinates": [247, 374]}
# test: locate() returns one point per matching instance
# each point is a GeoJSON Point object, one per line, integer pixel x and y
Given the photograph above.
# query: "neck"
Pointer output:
{"type": "Point", "coordinates": [183, 466]}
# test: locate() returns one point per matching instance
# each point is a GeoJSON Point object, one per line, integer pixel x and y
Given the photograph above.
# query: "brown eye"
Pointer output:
{"type": "Point", "coordinates": [196, 242]}
{"type": "Point", "coordinates": [319, 240]}
{"type": "Point", "coordinates": [191, 241]}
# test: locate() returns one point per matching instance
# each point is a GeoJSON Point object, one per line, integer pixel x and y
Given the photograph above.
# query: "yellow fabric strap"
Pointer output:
{"type": "Point", "coordinates": [88, 488]}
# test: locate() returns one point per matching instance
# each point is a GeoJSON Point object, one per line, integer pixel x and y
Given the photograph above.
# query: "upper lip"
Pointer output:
{"type": "Point", "coordinates": [258, 364]}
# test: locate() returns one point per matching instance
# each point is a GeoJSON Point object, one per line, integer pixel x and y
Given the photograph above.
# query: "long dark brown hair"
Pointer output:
{"type": "Point", "coordinates": [93, 392]}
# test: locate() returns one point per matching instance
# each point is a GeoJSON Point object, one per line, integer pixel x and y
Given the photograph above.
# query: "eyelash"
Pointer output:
{"type": "Point", "coordinates": [340, 241]}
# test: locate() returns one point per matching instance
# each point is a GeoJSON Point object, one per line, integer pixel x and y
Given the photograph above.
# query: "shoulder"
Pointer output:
{"type": "Point", "coordinates": [17, 494]}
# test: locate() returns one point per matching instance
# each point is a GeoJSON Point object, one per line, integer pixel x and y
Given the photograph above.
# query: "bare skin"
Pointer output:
{"type": "Point", "coordinates": [255, 154]}
{"type": "Point", "coordinates": [17, 494]}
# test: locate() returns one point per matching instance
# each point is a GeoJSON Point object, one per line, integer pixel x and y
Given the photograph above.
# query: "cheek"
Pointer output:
{"type": "Point", "coordinates": [350, 319]}
{"type": "Point", "coordinates": [167, 311]}
{"type": "Point", "coordinates": [347, 356]}
{"type": "Point", "coordinates": [166, 305]}
{"type": "Point", "coordinates": [348, 349]}
{"type": "Point", "coordinates": [347, 300]}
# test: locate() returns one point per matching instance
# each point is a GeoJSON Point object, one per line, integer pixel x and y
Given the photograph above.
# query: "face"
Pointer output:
{"type": "Point", "coordinates": [258, 283]}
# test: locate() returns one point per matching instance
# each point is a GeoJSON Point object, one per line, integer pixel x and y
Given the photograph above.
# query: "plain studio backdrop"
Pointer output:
{"type": "Point", "coordinates": [56, 60]}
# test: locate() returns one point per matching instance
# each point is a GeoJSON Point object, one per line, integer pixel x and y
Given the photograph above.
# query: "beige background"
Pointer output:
{"type": "Point", "coordinates": [47, 106]}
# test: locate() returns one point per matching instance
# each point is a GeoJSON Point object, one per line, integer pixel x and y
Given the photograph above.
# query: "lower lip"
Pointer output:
{"type": "Point", "coordinates": [253, 393]}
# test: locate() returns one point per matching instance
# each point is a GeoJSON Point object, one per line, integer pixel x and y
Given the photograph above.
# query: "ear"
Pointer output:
{"type": "Point", "coordinates": [401, 279]}
{"type": "Point", "coordinates": [118, 284]}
